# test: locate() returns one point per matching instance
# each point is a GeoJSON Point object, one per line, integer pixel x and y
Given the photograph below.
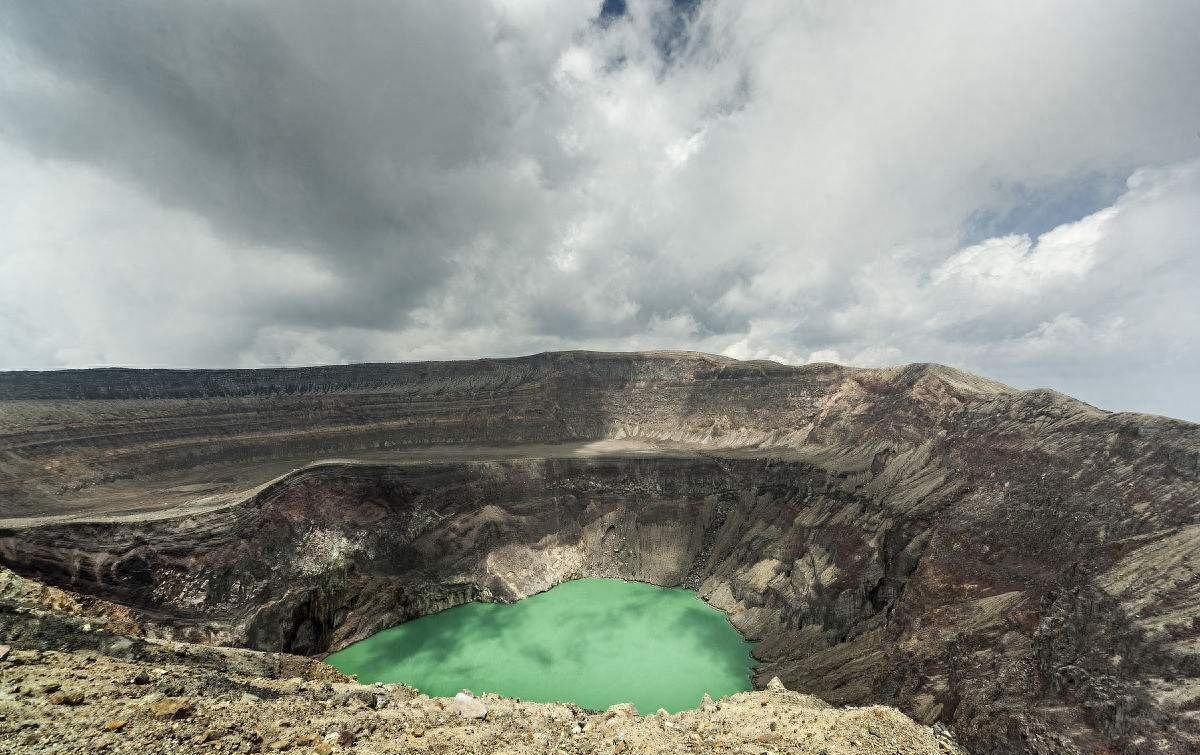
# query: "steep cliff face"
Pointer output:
{"type": "Point", "coordinates": [1016, 564]}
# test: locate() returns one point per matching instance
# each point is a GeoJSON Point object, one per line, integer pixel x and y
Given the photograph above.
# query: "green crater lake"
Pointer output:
{"type": "Point", "coordinates": [594, 642]}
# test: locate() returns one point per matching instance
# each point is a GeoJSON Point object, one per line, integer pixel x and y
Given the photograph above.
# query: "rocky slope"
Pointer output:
{"type": "Point", "coordinates": [1017, 565]}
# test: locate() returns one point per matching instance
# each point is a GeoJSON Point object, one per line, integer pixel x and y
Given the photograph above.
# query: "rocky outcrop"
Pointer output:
{"type": "Point", "coordinates": [1017, 565]}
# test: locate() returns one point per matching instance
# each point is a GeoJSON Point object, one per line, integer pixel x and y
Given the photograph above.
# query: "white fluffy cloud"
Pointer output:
{"type": "Point", "coordinates": [1105, 307]}
{"type": "Point", "coordinates": [1007, 187]}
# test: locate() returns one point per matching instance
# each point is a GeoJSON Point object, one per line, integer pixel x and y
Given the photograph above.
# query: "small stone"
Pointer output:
{"type": "Point", "coordinates": [172, 708]}
{"type": "Point", "coordinates": [66, 698]}
{"type": "Point", "coordinates": [4, 651]}
{"type": "Point", "coordinates": [141, 677]}
{"type": "Point", "coordinates": [625, 710]}
{"type": "Point", "coordinates": [114, 725]}
{"type": "Point", "coordinates": [119, 646]}
{"type": "Point", "coordinates": [249, 698]}
{"type": "Point", "coordinates": [468, 706]}
{"type": "Point", "coordinates": [338, 737]}
{"type": "Point", "coordinates": [210, 735]}
{"type": "Point", "coordinates": [775, 685]}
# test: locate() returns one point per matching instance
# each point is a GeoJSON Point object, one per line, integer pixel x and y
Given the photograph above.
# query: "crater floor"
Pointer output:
{"type": "Point", "coordinates": [1015, 565]}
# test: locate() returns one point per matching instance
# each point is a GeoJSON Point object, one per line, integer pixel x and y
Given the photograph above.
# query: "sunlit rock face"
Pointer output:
{"type": "Point", "coordinates": [1018, 564]}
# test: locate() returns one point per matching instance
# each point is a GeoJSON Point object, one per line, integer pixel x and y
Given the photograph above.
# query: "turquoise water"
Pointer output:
{"type": "Point", "coordinates": [594, 642]}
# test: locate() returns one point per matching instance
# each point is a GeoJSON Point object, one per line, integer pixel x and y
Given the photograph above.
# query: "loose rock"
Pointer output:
{"type": "Point", "coordinates": [172, 708]}
{"type": "Point", "coordinates": [469, 706]}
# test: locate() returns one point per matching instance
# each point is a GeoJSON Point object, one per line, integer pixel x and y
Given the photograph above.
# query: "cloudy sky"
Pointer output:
{"type": "Point", "coordinates": [1012, 188]}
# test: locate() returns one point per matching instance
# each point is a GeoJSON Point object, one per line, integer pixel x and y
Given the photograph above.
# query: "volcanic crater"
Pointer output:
{"type": "Point", "coordinates": [1017, 565]}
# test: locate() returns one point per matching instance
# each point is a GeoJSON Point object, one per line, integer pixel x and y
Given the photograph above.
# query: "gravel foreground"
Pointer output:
{"type": "Point", "coordinates": [86, 702]}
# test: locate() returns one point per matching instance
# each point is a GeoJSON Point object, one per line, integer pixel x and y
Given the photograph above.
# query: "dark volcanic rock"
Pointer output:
{"type": "Point", "coordinates": [1019, 565]}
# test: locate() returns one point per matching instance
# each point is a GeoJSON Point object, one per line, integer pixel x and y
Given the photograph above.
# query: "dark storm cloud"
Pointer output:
{"type": "Point", "coordinates": [298, 126]}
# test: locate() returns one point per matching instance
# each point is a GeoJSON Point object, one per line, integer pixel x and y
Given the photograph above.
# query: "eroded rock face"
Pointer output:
{"type": "Point", "coordinates": [1016, 564]}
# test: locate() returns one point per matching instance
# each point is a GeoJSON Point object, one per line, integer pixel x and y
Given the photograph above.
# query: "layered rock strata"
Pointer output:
{"type": "Point", "coordinates": [1017, 565]}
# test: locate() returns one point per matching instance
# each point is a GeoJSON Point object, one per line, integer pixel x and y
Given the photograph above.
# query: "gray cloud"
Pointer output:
{"type": "Point", "coordinates": [264, 183]}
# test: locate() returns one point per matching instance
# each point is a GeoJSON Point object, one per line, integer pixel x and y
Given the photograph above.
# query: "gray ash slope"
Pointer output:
{"type": "Point", "coordinates": [1016, 564]}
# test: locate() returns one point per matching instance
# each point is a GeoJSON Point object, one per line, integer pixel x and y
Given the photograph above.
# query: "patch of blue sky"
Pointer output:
{"type": "Point", "coordinates": [1034, 209]}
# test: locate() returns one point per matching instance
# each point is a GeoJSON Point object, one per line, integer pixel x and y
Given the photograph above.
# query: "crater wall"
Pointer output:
{"type": "Point", "coordinates": [1018, 565]}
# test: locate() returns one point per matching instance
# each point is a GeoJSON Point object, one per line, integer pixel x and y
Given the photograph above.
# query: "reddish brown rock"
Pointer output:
{"type": "Point", "coordinates": [66, 698]}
